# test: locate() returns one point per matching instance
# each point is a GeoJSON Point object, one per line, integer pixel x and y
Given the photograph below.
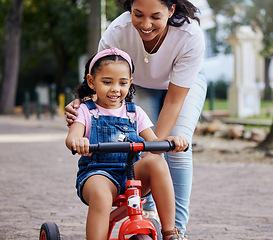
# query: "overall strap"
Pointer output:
{"type": "Point", "coordinates": [90, 104]}
{"type": "Point", "coordinates": [130, 107]}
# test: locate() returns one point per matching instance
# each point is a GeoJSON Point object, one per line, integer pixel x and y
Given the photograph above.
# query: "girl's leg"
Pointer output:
{"type": "Point", "coordinates": [180, 164]}
{"type": "Point", "coordinates": [99, 192]}
{"type": "Point", "coordinates": [154, 174]}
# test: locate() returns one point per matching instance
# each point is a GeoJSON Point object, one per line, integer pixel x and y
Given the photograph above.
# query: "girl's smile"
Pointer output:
{"type": "Point", "coordinates": [111, 83]}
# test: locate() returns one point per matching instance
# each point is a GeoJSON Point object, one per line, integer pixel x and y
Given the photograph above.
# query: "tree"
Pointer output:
{"type": "Point", "coordinates": [94, 26]}
{"type": "Point", "coordinates": [112, 9]}
{"type": "Point", "coordinates": [267, 144]}
{"type": "Point", "coordinates": [12, 55]}
{"type": "Point", "coordinates": [258, 16]}
{"type": "Point", "coordinates": [55, 28]}
{"type": "Point", "coordinates": [53, 37]}
{"type": "Point", "coordinates": [261, 16]}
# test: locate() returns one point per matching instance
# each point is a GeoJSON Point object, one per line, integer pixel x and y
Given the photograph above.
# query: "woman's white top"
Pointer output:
{"type": "Point", "coordinates": [178, 60]}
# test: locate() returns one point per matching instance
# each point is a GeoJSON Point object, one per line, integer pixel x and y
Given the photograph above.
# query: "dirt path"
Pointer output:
{"type": "Point", "coordinates": [231, 197]}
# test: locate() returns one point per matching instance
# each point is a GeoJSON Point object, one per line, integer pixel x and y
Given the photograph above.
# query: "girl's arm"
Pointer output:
{"type": "Point", "coordinates": [76, 141]}
{"type": "Point", "coordinates": [170, 111]}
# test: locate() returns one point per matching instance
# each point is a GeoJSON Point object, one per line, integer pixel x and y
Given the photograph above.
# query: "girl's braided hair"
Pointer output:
{"type": "Point", "coordinates": [84, 91]}
{"type": "Point", "coordinates": [184, 11]}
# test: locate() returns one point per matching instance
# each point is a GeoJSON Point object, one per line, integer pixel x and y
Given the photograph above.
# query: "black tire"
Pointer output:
{"type": "Point", "coordinates": [140, 237]}
{"type": "Point", "coordinates": [157, 227]}
{"type": "Point", "coordinates": [49, 231]}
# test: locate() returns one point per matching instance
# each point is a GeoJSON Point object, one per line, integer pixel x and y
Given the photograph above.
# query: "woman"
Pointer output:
{"type": "Point", "coordinates": [166, 44]}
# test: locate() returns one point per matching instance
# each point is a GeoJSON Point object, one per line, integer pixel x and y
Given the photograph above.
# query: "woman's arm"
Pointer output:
{"type": "Point", "coordinates": [70, 111]}
{"type": "Point", "coordinates": [170, 111]}
{"type": "Point", "coordinates": [181, 142]}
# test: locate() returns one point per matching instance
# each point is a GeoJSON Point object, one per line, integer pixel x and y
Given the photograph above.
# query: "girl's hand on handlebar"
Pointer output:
{"type": "Point", "coordinates": [180, 142]}
{"type": "Point", "coordinates": [81, 146]}
{"type": "Point", "coordinates": [70, 111]}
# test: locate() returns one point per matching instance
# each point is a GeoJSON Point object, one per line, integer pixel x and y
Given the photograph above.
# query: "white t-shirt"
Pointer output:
{"type": "Point", "coordinates": [178, 60]}
{"type": "Point", "coordinates": [84, 116]}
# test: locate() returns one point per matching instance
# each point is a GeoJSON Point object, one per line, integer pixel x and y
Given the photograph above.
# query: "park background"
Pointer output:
{"type": "Point", "coordinates": [43, 44]}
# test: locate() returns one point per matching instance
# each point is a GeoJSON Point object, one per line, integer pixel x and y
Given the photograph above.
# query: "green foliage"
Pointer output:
{"type": "Point", "coordinates": [259, 15]}
{"type": "Point", "coordinates": [54, 35]}
{"type": "Point", "coordinates": [218, 90]}
{"type": "Point", "coordinates": [55, 25]}
{"type": "Point", "coordinates": [113, 9]}
{"type": "Point", "coordinates": [262, 16]}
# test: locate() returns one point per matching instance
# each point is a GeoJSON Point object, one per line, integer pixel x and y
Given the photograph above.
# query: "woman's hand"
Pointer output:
{"type": "Point", "coordinates": [180, 142]}
{"type": "Point", "coordinates": [70, 111]}
{"type": "Point", "coordinates": [81, 146]}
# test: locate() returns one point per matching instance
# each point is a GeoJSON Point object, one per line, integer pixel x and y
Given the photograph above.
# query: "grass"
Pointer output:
{"type": "Point", "coordinates": [220, 104]}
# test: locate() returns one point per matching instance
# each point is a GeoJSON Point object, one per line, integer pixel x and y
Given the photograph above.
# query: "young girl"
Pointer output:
{"type": "Point", "coordinates": [101, 177]}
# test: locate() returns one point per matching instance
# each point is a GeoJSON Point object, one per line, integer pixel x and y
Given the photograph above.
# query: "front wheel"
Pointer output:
{"type": "Point", "coordinates": [49, 231]}
{"type": "Point", "coordinates": [140, 237]}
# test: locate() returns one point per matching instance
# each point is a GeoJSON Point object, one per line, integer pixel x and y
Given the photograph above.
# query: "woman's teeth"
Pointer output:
{"type": "Point", "coordinates": [146, 31]}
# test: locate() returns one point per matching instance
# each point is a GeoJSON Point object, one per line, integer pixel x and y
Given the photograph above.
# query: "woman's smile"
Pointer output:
{"type": "Point", "coordinates": [146, 32]}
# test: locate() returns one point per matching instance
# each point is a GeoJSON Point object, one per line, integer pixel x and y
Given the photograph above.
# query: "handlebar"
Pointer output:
{"type": "Point", "coordinates": [118, 147]}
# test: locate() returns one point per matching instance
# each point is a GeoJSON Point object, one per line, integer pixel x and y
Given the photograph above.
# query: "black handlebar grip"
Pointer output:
{"type": "Point", "coordinates": [172, 147]}
{"type": "Point", "coordinates": [73, 151]}
{"type": "Point", "coordinates": [113, 147]}
{"type": "Point", "coordinates": [162, 146]}
{"type": "Point", "coordinates": [94, 148]}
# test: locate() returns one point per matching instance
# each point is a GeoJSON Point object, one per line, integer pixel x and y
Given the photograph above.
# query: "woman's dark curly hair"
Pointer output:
{"type": "Point", "coordinates": [184, 11]}
{"type": "Point", "coordinates": [83, 90]}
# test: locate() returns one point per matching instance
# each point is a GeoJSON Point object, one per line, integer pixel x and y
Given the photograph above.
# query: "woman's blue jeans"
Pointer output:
{"type": "Point", "coordinates": [180, 164]}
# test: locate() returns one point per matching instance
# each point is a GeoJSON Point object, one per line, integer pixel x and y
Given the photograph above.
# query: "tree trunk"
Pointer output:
{"type": "Point", "coordinates": [12, 56]}
{"type": "Point", "coordinates": [267, 88]}
{"type": "Point", "coordinates": [267, 144]}
{"type": "Point", "coordinates": [94, 26]}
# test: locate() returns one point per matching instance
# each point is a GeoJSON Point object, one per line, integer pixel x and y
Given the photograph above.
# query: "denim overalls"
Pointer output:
{"type": "Point", "coordinates": [111, 165]}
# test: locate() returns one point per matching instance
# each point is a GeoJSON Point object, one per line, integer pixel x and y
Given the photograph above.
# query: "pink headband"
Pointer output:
{"type": "Point", "coordinates": [108, 52]}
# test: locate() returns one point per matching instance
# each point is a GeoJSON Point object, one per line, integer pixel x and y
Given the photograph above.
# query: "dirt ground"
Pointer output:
{"type": "Point", "coordinates": [231, 196]}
